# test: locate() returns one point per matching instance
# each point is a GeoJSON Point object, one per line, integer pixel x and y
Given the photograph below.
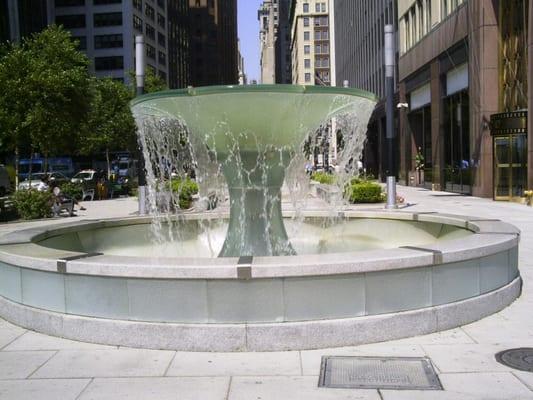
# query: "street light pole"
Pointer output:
{"type": "Point", "coordinates": [139, 78]}
{"type": "Point", "coordinates": [389, 94]}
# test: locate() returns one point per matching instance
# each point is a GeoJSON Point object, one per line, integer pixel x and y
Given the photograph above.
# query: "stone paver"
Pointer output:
{"type": "Point", "coordinates": [464, 357]}
{"type": "Point", "coordinates": [291, 387]}
{"type": "Point", "coordinates": [42, 389]}
{"type": "Point", "coordinates": [234, 364]}
{"type": "Point", "coordinates": [479, 386]}
{"type": "Point", "coordinates": [8, 333]}
{"type": "Point", "coordinates": [105, 363]}
{"type": "Point", "coordinates": [21, 364]}
{"type": "Point", "coordinates": [37, 341]}
{"type": "Point", "coordinates": [157, 388]}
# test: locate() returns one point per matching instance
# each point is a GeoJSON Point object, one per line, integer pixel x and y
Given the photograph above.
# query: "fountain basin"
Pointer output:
{"type": "Point", "coordinates": [259, 303]}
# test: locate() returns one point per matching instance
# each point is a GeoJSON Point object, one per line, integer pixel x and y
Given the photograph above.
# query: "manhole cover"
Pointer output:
{"type": "Point", "coordinates": [414, 373]}
{"type": "Point", "coordinates": [521, 358]}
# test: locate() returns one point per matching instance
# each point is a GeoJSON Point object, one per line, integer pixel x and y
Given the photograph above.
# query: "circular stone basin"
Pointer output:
{"type": "Point", "coordinates": [204, 238]}
{"type": "Point", "coordinates": [435, 272]}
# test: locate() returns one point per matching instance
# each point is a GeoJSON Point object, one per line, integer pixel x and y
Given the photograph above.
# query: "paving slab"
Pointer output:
{"type": "Point", "coordinates": [105, 363]}
{"type": "Point", "coordinates": [21, 364]}
{"type": "Point", "coordinates": [525, 377]}
{"type": "Point", "coordinates": [37, 341]}
{"type": "Point", "coordinates": [8, 333]}
{"type": "Point", "coordinates": [311, 359]}
{"type": "Point", "coordinates": [452, 336]}
{"type": "Point", "coordinates": [478, 386]}
{"type": "Point", "coordinates": [42, 389]}
{"type": "Point", "coordinates": [157, 388]}
{"type": "Point", "coordinates": [292, 387]}
{"type": "Point", "coordinates": [466, 358]}
{"type": "Point", "coordinates": [233, 364]}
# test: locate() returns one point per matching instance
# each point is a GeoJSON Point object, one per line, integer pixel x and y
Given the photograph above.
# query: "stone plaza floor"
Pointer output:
{"type": "Point", "coordinates": [36, 366]}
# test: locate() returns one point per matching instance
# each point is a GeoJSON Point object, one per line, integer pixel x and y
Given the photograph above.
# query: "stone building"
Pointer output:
{"type": "Point", "coordinates": [464, 67]}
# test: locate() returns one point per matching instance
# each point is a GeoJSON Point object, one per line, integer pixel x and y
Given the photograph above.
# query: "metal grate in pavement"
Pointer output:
{"type": "Point", "coordinates": [521, 358]}
{"type": "Point", "coordinates": [410, 373]}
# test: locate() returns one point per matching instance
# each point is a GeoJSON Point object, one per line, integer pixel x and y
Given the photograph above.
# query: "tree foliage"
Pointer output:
{"type": "Point", "coordinates": [110, 124]}
{"type": "Point", "coordinates": [44, 93]}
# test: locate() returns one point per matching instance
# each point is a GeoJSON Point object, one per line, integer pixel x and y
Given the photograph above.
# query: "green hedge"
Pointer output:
{"type": "Point", "coordinates": [323, 177]}
{"type": "Point", "coordinates": [365, 192]}
{"type": "Point", "coordinates": [185, 190]}
{"type": "Point", "coordinates": [32, 204]}
{"type": "Point", "coordinates": [72, 190]}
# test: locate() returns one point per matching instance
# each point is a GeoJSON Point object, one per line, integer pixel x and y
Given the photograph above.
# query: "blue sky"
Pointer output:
{"type": "Point", "coordinates": [249, 36]}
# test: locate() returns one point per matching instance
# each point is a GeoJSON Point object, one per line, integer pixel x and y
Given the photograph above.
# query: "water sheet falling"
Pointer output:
{"type": "Point", "coordinates": [243, 141]}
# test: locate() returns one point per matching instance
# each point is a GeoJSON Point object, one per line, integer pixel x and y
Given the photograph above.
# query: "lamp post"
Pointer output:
{"type": "Point", "coordinates": [139, 82]}
{"type": "Point", "coordinates": [390, 134]}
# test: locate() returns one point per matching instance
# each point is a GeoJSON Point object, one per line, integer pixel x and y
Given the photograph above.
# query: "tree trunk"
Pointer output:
{"type": "Point", "coordinates": [30, 167]}
{"type": "Point", "coordinates": [108, 164]}
{"type": "Point", "coordinates": [17, 162]}
{"type": "Point", "coordinates": [45, 168]}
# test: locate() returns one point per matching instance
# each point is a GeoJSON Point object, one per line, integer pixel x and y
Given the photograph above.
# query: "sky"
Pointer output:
{"type": "Point", "coordinates": [249, 35]}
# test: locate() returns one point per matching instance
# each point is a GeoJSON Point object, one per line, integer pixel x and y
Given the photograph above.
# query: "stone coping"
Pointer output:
{"type": "Point", "coordinates": [19, 247]}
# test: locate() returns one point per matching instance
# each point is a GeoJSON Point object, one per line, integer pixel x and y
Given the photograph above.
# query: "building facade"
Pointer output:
{"type": "Point", "coordinates": [311, 48]}
{"type": "Point", "coordinates": [20, 18]}
{"type": "Point", "coordinates": [213, 42]}
{"type": "Point", "coordinates": [464, 72]}
{"type": "Point", "coordinates": [275, 41]}
{"type": "Point", "coordinates": [106, 32]}
{"type": "Point", "coordinates": [179, 68]}
{"type": "Point", "coordinates": [359, 61]}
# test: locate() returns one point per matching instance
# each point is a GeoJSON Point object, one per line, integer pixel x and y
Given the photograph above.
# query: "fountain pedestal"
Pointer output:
{"type": "Point", "coordinates": [256, 223]}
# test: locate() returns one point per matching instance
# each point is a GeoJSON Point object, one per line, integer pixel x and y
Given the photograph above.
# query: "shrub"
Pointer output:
{"type": "Point", "coordinates": [365, 192]}
{"type": "Point", "coordinates": [32, 204]}
{"type": "Point", "coordinates": [185, 190]}
{"type": "Point", "coordinates": [323, 177]}
{"type": "Point", "coordinates": [72, 190]}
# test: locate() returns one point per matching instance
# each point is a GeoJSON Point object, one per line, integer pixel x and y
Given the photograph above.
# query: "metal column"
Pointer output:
{"type": "Point", "coordinates": [139, 78]}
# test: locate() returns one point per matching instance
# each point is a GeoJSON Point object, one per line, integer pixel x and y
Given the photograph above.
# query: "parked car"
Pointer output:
{"type": "Point", "coordinates": [42, 181]}
{"type": "Point", "coordinates": [5, 184]}
{"type": "Point", "coordinates": [88, 177]}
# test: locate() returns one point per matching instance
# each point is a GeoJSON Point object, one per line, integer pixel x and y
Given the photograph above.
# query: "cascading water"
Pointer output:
{"type": "Point", "coordinates": [243, 142]}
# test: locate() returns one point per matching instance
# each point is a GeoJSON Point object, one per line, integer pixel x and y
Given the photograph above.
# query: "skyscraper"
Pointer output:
{"type": "Point", "coordinates": [310, 45]}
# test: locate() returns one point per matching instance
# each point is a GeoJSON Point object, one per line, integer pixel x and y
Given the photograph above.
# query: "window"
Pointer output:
{"type": "Point", "coordinates": [306, 7]}
{"type": "Point", "coordinates": [108, 63]}
{"type": "Point", "coordinates": [69, 3]}
{"type": "Point", "coordinates": [307, 63]}
{"type": "Point", "coordinates": [98, 2]}
{"type": "Point", "coordinates": [317, 7]}
{"type": "Point", "coordinates": [138, 4]}
{"type": "Point", "coordinates": [82, 42]}
{"type": "Point", "coordinates": [137, 23]}
{"type": "Point", "coordinates": [161, 40]}
{"type": "Point", "coordinates": [150, 31]}
{"type": "Point", "coordinates": [71, 21]}
{"type": "Point", "coordinates": [162, 58]}
{"type": "Point", "coordinates": [161, 4]}
{"type": "Point", "coordinates": [323, 7]}
{"type": "Point", "coordinates": [307, 49]}
{"type": "Point", "coordinates": [307, 77]}
{"type": "Point", "coordinates": [108, 19]}
{"type": "Point", "coordinates": [160, 20]}
{"type": "Point", "coordinates": [108, 41]}
{"type": "Point", "coordinates": [306, 21]}
{"type": "Point", "coordinates": [427, 12]}
{"type": "Point", "coordinates": [150, 51]}
{"type": "Point", "coordinates": [318, 35]}
{"type": "Point", "coordinates": [149, 11]}
{"type": "Point", "coordinates": [306, 36]}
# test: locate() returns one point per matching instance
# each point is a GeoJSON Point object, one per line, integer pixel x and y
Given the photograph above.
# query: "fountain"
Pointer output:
{"type": "Point", "coordinates": [254, 278]}
{"type": "Point", "coordinates": [253, 133]}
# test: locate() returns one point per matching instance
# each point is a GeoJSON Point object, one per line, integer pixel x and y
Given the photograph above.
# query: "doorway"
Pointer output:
{"type": "Point", "coordinates": [510, 166]}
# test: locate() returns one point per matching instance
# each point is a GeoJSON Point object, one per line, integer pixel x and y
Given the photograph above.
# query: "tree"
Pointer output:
{"type": "Point", "coordinates": [110, 124]}
{"type": "Point", "coordinates": [44, 93]}
{"type": "Point", "coordinates": [152, 82]}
